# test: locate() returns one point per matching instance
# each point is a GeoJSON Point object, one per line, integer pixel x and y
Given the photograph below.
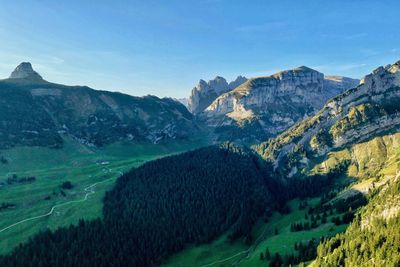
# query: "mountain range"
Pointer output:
{"type": "Point", "coordinates": [329, 144]}
{"type": "Point", "coordinates": [40, 113]}
{"type": "Point", "coordinates": [256, 109]}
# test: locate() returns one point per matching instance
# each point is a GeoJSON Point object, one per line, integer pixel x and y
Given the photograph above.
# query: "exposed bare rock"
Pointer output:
{"type": "Point", "coordinates": [206, 92]}
{"type": "Point", "coordinates": [25, 71]}
{"type": "Point", "coordinates": [265, 106]}
{"type": "Point", "coordinates": [356, 115]}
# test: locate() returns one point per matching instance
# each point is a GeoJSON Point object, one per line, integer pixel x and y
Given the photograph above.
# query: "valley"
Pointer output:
{"type": "Point", "coordinates": [80, 165]}
{"type": "Point", "coordinates": [206, 133]}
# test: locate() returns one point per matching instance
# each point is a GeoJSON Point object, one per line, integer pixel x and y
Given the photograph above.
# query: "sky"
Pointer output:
{"type": "Point", "coordinates": [164, 47]}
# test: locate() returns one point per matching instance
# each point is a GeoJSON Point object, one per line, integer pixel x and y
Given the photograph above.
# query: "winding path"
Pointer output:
{"type": "Point", "coordinates": [226, 259]}
{"type": "Point", "coordinates": [247, 251]}
{"type": "Point", "coordinates": [88, 191]}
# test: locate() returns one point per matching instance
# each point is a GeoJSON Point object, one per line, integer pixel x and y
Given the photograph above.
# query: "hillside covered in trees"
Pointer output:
{"type": "Point", "coordinates": [373, 238]}
{"type": "Point", "coordinates": [159, 208]}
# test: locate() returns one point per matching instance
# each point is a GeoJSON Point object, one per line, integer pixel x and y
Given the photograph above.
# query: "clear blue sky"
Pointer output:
{"type": "Point", "coordinates": [165, 47]}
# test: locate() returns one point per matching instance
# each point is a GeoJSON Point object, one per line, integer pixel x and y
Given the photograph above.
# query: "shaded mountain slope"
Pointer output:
{"type": "Point", "coordinates": [38, 113]}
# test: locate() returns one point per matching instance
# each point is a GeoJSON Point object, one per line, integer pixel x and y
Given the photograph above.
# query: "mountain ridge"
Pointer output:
{"type": "Point", "coordinates": [262, 107]}
{"type": "Point", "coordinates": [355, 115]}
{"type": "Point", "coordinates": [39, 113]}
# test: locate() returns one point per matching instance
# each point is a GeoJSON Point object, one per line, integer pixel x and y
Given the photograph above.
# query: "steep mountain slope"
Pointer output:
{"type": "Point", "coordinates": [359, 114]}
{"type": "Point", "coordinates": [38, 113]}
{"type": "Point", "coordinates": [373, 238]}
{"type": "Point", "coordinates": [265, 106]}
{"type": "Point", "coordinates": [357, 132]}
{"type": "Point", "coordinates": [205, 93]}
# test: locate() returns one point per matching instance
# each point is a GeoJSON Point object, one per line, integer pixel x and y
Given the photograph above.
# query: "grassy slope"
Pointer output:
{"type": "Point", "coordinates": [74, 163]}
{"type": "Point", "coordinates": [221, 253]}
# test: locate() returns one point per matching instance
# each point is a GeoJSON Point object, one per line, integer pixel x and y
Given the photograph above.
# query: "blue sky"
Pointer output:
{"type": "Point", "coordinates": [164, 47]}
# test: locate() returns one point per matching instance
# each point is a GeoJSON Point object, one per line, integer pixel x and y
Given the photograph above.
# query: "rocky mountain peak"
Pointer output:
{"type": "Point", "coordinates": [219, 84]}
{"type": "Point", "coordinates": [25, 71]}
{"type": "Point", "coordinates": [206, 92]}
{"type": "Point", "coordinates": [299, 72]}
{"type": "Point", "coordinates": [238, 81]}
{"type": "Point", "coordinates": [382, 78]}
{"type": "Point", "coordinates": [202, 84]}
{"type": "Point", "coordinates": [303, 68]}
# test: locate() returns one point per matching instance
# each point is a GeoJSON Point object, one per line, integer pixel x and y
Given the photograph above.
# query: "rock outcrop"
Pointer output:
{"type": "Point", "coordinates": [205, 93]}
{"type": "Point", "coordinates": [25, 71]}
{"type": "Point", "coordinates": [265, 106]}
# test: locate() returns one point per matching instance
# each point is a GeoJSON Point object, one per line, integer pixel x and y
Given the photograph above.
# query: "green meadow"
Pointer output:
{"type": "Point", "coordinates": [82, 166]}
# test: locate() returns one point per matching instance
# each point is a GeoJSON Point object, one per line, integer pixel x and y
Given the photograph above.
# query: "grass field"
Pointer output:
{"type": "Point", "coordinates": [75, 163]}
{"type": "Point", "coordinates": [221, 253]}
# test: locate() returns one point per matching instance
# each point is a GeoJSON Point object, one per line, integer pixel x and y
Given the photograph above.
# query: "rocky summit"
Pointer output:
{"type": "Point", "coordinates": [25, 71]}
{"type": "Point", "coordinates": [265, 106]}
{"type": "Point", "coordinates": [206, 92]}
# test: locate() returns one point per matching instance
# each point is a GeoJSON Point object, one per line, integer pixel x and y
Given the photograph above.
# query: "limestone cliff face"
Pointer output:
{"type": "Point", "coordinates": [270, 105]}
{"type": "Point", "coordinates": [358, 114]}
{"type": "Point", "coordinates": [205, 93]}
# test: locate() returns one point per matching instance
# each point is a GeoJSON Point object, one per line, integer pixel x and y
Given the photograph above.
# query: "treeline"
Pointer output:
{"type": "Point", "coordinates": [3, 160]}
{"type": "Point", "coordinates": [158, 209]}
{"type": "Point", "coordinates": [371, 239]}
{"type": "Point", "coordinates": [6, 205]}
{"type": "Point", "coordinates": [164, 205]}
{"type": "Point", "coordinates": [304, 251]}
{"type": "Point", "coordinates": [14, 179]}
{"type": "Point", "coordinates": [303, 186]}
{"type": "Point", "coordinates": [379, 243]}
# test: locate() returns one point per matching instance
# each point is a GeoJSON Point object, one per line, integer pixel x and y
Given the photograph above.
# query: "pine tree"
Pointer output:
{"type": "Point", "coordinates": [262, 256]}
{"type": "Point", "coordinates": [267, 254]}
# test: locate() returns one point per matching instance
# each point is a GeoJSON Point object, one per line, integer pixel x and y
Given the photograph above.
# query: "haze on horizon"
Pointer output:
{"type": "Point", "coordinates": [164, 48]}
